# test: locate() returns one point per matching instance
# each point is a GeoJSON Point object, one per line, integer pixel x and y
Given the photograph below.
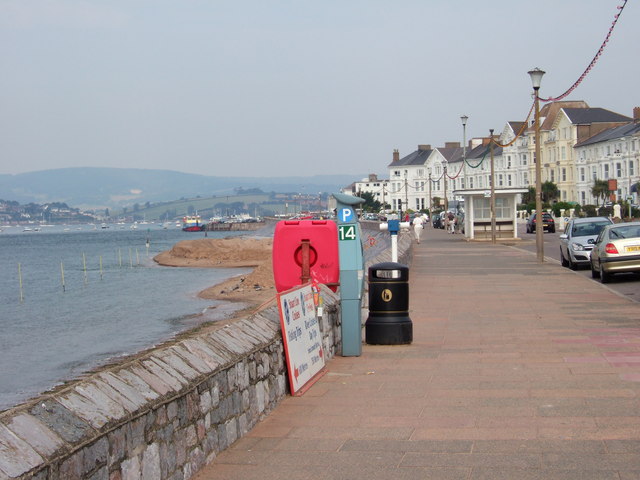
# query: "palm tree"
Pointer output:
{"type": "Point", "coordinates": [600, 189]}
{"type": "Point", "coordinates": [549, 191]}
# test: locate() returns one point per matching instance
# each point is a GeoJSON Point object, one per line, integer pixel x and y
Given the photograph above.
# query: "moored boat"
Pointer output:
{"type": "Point", "coordinates": [192, 223]}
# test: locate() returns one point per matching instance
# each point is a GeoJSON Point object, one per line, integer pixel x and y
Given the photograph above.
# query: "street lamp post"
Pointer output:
{"type": "Point", "coordinates": [446, 202]}
{"type": "Point", "coordinates": [464, 119]}
{"type": "Point", "coordinates": [536, 77]}
{"type": "Point", "coordinates": [493, 190]}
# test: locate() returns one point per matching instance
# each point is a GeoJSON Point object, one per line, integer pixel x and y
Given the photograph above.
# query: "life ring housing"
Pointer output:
{"type": "Point", "coordinates": [288, 252]}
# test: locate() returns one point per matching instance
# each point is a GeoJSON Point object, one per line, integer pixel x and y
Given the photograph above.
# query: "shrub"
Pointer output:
{"type": "Point", "coordinates": [590, 210]}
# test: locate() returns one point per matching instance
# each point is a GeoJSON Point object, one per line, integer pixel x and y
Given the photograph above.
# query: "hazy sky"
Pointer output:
{"type": "Point", "coordinates": [289, 87]}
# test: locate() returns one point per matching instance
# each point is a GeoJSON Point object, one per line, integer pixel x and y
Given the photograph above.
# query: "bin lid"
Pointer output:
{"type": "Point", "coordinates": [389, 271]}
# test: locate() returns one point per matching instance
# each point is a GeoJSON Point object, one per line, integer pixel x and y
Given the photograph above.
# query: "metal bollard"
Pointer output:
{"type": "Point", "coordinates": [388, 322]}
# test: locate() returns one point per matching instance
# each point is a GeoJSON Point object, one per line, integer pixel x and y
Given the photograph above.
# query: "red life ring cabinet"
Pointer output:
{"type": "Point", "coordinates": [305, 244]}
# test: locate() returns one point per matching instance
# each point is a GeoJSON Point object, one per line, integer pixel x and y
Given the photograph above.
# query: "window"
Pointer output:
{"type": "Point", "coordinates": [509, 181]}
{"type": "Point", "coordinates": [564, 174]}
{"type": "Point", "coordinates": [582, 178]}
{"type": "Point", "coordinates": [552, 175]}
{"type": "Point", "coordinates": [605, 172]}
{"type": "Point", "coordinates": [508, 161]}
{"type": "Point", "coordinates": [471, 182]}
{"type": "Point", "coordinates": [524, 159]}
{"type": "Point", "coordinates": [631, 170]}
{"type": "Point", "coordinates": [500, 180]}
{"type": "Point", "coordinates": [421, 172]}
{"type": "Point", "coordinates": [618, 169]}
{"type": "Point", "coordinates": [594, 173]}
{"type": "Point", "coordinates": [563, 152]}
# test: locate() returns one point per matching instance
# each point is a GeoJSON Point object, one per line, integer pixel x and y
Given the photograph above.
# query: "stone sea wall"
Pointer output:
{"type": "Point", "coordinates": [167, 412]}
{"type": "Point", "coordinates": [161, 415]}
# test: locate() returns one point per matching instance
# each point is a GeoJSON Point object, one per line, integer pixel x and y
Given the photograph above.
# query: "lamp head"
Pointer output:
{"type": "Point", "coordinates": [464, 119]}
{"type": "Point", "coordinates": [536, 77]}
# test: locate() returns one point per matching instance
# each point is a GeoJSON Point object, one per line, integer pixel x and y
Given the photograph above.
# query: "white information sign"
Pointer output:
{"type": "Point", "coordinates": [301, 336]}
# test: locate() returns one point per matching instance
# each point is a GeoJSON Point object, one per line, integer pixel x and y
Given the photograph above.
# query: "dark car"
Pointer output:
{"type": "Point", "coordinates": [548, 223]}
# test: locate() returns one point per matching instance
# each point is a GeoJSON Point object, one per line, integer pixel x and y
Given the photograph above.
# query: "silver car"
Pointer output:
{"type": "Point", "coordinates": [616, 250]}
{"type": "Point", "coordinates": [578, 238]}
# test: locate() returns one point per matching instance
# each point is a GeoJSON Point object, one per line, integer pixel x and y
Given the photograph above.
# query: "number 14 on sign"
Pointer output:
{"type": "Point", "coordinates": [346, 232]}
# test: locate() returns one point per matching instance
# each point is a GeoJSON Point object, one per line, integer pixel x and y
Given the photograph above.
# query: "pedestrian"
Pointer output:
{"type": "Point", "coordinates": [417, 227]}
{"type": "Point", "coordinates": [452, 222]}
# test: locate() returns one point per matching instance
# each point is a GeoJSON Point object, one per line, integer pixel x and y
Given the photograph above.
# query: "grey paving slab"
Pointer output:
{"type": "Point", "coordinates": [517, 370]}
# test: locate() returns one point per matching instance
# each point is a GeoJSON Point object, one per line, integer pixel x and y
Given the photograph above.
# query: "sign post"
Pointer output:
{"type": "Point", "coordinates": [351, 273]}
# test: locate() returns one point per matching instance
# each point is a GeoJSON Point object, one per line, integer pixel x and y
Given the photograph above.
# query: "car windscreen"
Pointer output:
{"type": "Point", "coordinates": [588, 229]}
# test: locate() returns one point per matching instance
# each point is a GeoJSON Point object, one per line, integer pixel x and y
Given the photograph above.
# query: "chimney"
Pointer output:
{"type": "Point", "coordinates": [396, 155]}
{"type": "Point", "coordinates": [422, 148]}
{"type": "Point", "coordinates": [636, 114]}
{"type": "Point", "coordinates": [451, 144]}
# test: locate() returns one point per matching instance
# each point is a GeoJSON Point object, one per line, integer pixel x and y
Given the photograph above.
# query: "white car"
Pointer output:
{"type": "Point", "coordinates": [578, 238]}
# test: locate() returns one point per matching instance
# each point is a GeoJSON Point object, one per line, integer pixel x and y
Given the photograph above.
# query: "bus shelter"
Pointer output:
{"type": "Point", "coordinates": [477, 218]}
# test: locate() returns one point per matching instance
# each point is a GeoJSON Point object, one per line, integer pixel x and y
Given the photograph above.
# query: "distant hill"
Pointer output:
{"type": "Point", "coordinates": [89, 187]}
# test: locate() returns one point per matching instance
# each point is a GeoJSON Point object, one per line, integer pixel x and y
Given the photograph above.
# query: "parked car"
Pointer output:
{"type": "Point", "coordinates": [616, 250]}
{"type": "Point", "coordinates": [578, 238]}
{"type": "Point", "coordinates": [548, 223]}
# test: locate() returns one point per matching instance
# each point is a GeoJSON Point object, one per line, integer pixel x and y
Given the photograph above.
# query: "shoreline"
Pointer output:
{"type": "Point", "coordinates": [254, 289]}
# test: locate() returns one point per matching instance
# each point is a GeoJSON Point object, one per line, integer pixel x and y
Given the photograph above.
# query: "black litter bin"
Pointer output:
{"type": "Point", "coordinates": [388, 322]}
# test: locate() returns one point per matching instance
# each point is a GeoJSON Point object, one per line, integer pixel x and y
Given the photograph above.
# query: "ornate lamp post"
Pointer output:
{"type": "Point", "coordinates": [536, 77]}
{"type": "Point", "coordinates": [444, 177]}
{"type": "Point", "coordinates": [464, 119]}
{"type": "Point", "coordinates": [493, 191]}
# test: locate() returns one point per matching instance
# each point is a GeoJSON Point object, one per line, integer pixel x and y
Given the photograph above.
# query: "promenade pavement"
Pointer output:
{"type": "Point", "coordinates": [517, 371]}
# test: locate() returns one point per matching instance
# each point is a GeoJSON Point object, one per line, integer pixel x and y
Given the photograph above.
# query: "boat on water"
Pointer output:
{"type": "Point", "coordinates": [192, 223]}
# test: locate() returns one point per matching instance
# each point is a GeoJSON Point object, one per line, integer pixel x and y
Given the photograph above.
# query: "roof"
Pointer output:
{"type": "Point", "coordinates": [611, 134]}
{"type": "Point", "coordinates": [516, 126]}
{"type": "Point", "coordinates": [451, 154]}
{"type": "Point", "coordinates": [482, 150]}
{"type": "Point", "coordinates": [585, 116]}
{"type": "Point", "coordinates": [419, 157]}
{"type": "Point", "coordinates": [549, 112]}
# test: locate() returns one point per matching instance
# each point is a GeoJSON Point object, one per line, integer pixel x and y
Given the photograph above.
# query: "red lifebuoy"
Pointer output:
{"type": "Point", "coordinates": [324, 263]}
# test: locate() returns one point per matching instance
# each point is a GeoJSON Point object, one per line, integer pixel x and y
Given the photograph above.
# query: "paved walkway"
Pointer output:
{"type": "Point", "coordinates": [517, 371]}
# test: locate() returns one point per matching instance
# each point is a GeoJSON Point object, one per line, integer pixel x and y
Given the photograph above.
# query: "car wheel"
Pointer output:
{"type": "Point", "coordinates": [563, 260]}
{"type": "Point", "coordinates": [604, 276]}
{"type": "Point", "coordinates": [552, 230]}
{"type": "Point", "coordinates": [571, 264]}
{"type": "Point", "coordinates": [594, 273]}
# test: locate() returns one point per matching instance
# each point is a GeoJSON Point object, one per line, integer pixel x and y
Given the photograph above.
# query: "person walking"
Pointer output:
{"type": "Point", "coordinates": [452, 222]}
{"type": "Point", "coordinates": [417, 227]}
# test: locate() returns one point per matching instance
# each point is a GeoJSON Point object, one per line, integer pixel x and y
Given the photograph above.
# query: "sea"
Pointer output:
{"type": "Point", "coordinates": [75, 297]}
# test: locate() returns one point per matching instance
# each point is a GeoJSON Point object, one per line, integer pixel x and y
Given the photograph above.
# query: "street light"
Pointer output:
{"type": "Point", "coordinates": [536, 77]}
{"type": "Point", "coordinates": [446, 202]}
{"type": "Point", "coordinates": [464, 119]}
{"type": "Point", "coordinates": [493, 191]}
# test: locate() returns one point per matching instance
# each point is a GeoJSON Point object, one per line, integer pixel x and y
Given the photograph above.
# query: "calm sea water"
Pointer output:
{"type": "Point", "coordinates": [52, 331]}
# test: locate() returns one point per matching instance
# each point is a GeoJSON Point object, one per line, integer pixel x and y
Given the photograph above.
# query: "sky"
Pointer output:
{"type": "Point", "coordinates": [289, 87]}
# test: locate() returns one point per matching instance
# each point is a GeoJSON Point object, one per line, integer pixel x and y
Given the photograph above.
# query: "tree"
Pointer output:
{"type": "Point", "coordinates": [530, 196]}
{"type": "Point", "coordinates": [601, 190]}
{"type": "Point", "coordinates": [549, 191]}
{"type": "Point", "coordinates": [370, 203]}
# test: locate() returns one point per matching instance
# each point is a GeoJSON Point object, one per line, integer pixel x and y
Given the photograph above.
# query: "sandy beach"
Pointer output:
{"type": "Point", "coordinates": [254, 289]}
